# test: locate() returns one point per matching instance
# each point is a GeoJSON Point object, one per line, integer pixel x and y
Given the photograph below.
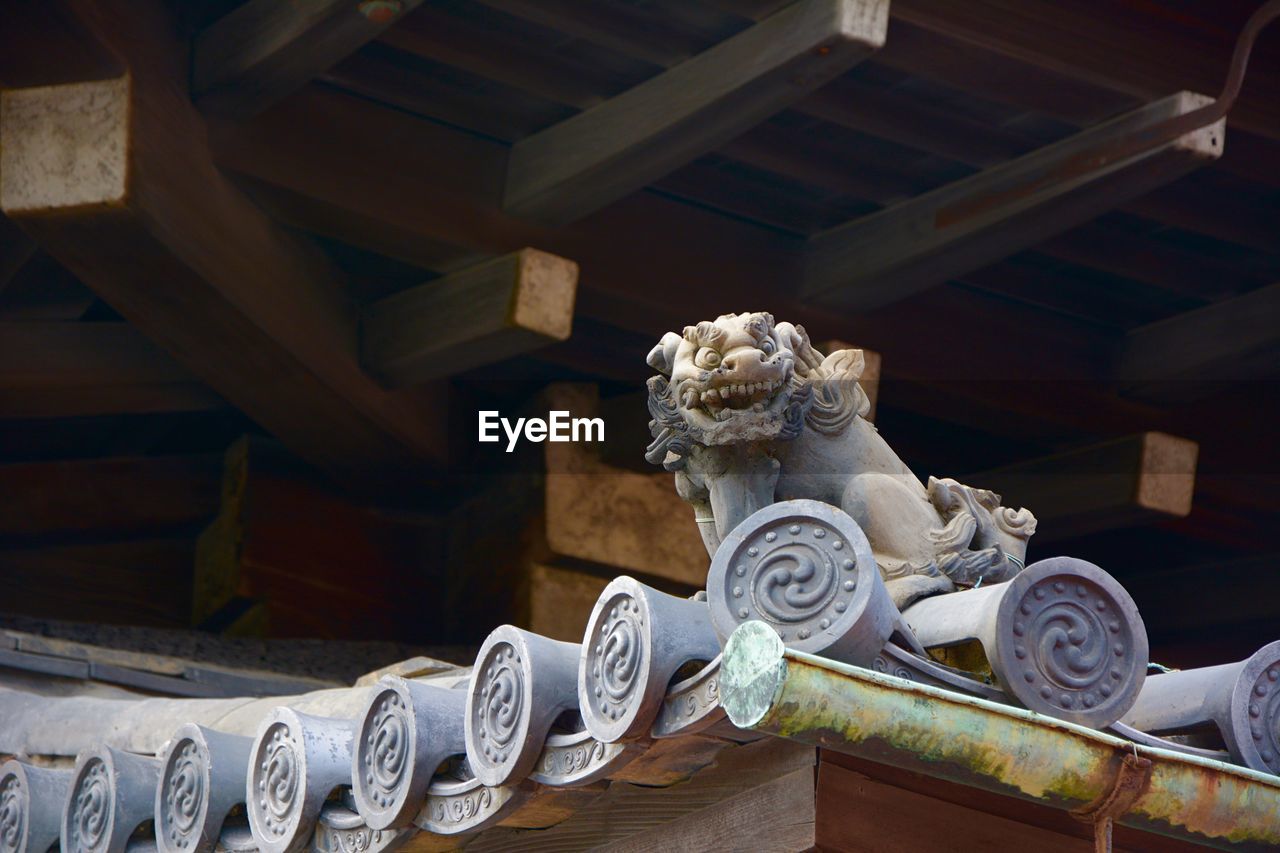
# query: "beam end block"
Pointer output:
{"type": "Point", "coordinates": [65, 146]}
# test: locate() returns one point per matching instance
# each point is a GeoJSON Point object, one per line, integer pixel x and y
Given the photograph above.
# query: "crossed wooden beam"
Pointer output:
{"type": "Point", "coordinates": [147, 217]}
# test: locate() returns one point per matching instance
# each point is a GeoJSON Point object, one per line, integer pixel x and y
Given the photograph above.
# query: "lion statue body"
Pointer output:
{"type": "Point", "coordinates": [747, 412]}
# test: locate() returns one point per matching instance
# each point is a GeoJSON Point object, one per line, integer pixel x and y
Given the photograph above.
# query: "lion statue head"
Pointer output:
{"type": "Point", "coordinates": [745, 378]}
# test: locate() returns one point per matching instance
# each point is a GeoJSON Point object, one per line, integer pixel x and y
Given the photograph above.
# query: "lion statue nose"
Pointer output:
{"type": "Point", "coordinates": [743, 359]}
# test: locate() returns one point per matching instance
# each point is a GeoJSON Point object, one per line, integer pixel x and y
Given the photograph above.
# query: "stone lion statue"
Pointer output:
{"type": "Point", "coordinates": [746, 412]}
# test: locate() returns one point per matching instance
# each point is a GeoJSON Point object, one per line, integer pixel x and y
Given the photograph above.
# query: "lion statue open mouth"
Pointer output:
{"type": "Point", "coordinates": [746, 412]}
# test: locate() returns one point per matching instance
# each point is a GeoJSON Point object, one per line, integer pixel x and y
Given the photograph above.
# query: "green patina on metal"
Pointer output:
{"type": "Point", "coordinates": [975, 742]}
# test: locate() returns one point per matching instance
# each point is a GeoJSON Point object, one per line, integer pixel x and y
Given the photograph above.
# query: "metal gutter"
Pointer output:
{"type": "Point", "coordinates": [979, 743]}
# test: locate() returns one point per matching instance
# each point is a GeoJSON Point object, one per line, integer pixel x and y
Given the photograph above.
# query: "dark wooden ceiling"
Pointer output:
{"type": "Point", "coordinates": [392, 161]}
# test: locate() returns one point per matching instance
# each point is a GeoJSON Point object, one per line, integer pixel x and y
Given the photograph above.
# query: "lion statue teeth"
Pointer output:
{"type": "Point", "coordinates": [746, 412]}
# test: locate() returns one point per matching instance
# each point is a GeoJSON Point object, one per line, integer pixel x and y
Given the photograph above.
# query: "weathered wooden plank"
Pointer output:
{"type": "Point", "coordinates": [51, 369]}
{"type": "Point", "coordinates": [616, 28]}
{"type": "Point", "coordinates": [142, 582]}
{"type": "Point", "coordinates": [559, 601]}
{"type": "Point", "coordinates": [107, 496]}
{"type": "Point", "coordinates": [325, 565]}
{"type": "Point", "coordinates": [485, 313]}
{"type": "Point", "coordinates": [860, 815]}
{"type": "Point", "coordinates": [778, 815]}
{"type": "Point", "coordinates": [919, 243]}
{"type": "Point", "coordinates": [263, 50]}
{"type": "Point", "coordinates": [633, 522]}
{"type": "Point", "coordinates": [1116, 484]}
{"type": "Point", "coordinates": [1123, 49]}
{"type": "Point", "coordinates": [298, 158]}
{"type": "Point", "coordinates": [598, 156]}
{"type": "Point", "coordinates": [628, 811]}
{"type": "Point", "coordinates": [146, 220]}
{"type": "Point", "coordinates": [928, 803]}
{"type": "Point", "coordinates": [1192, 353]}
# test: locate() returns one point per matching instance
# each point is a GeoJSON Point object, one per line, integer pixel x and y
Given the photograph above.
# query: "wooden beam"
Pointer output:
{"type": "Point", "coordinates": [624, 815]}
{"type": "Point", "coordinates": [558, 601]}
{"type": "Point", "coordinates": [297, 159]}
{"type": "Point", "coordinates": [139, 582]}
{"type": "Point", "coordinates": [1135, 480]}
{"type": "Point", "coordinates": [485, 313]}
{"type": "Point", "coordinates": [52, 370]}
{"type": "Point", "coordinates": [16, 248]}
{"type": "Point", "coordinates": [633, 522]}
{"type": "Point", "coordinates": [1190, 354]}
{"type": "Point", "coordinates": [917, 244]}
{"type": "Point", "coordinates": [263, 50]}
{"type": "Point", "coordinates": [1123, 49]}
{"type": "Point", "coordinates": [778, 815]}
{"type": "Point", "coordinates": [114, 180]}
{"type": "Point", "coordinates": [857, 798]}
{"type": "Point", "coordinates": [107, 497]}
{"type": "Point", "coordinates": [613, 149]}
{"type": "Point", "coordinates": [1225, 592]}
{"type": "Point", "coordinates": [324, 564]}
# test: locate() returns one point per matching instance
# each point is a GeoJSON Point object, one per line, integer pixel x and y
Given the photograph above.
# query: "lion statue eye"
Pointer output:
{"type": "Point", "coordinates": [767, 347]}
{"type": "Point", "coordinates": [707, 357]}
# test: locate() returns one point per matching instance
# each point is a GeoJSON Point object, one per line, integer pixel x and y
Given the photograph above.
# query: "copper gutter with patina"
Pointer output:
{"type": "Point", "coordinates": [975, 742]}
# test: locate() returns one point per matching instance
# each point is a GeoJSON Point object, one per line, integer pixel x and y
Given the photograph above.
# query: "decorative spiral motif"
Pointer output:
{"type": "Point", "coordinates": [1072, 646]}
{"type": "Point", "coordinates": [793, 582]}
{"type": "Point", "coordinates": [888, 667]}
{"type": "Point", "coordinates": [618, 657]}
{"type": "Point", "coordinates": [797, 573]}
{"type": "Point", "coordinates": [501, 706]}
{"type": "Point", "coordinates": [278, 780]}
{"type": "Point", "coordinates": [91, 806]}
{"type": "Point", "coordinates": [185, 796]}
{"type": "Point", "coordinates": [13, 813]}
{"type": "Point", "coordinates": [387, 750]}
{"type": "Point", "coordinates": [1264, 716]}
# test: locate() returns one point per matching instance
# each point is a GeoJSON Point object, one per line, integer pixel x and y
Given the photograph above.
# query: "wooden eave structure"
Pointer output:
{"type": "Point", "coordinates": [347, 233]}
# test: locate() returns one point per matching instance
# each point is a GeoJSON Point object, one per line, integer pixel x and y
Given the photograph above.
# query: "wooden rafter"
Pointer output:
{"type": "Point", "coordinates": [1227, 341]}
{"type": "Point", "coordinates": [1108, 47]}
{"type": "Point", "coordinates": [1108, 486]}
{"type": "Point", "coordinates": [929, 239]}
{"type": "Point", "coordinates": [263, 50]}
{"type": "Point", "coordinates": [149, 223]}
{"type": "Point", "coordinates": [585, 162]}
{"type": "Point", "coordinates": [83, 498]}
{"type": "Point", "coordinates": [53, 370]}
{"type": "Point", "coordinates": [485, 313]}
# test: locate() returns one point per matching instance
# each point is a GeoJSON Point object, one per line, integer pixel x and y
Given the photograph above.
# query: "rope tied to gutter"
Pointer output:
{"type": "Point", "coordinates": [1130, 783]}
